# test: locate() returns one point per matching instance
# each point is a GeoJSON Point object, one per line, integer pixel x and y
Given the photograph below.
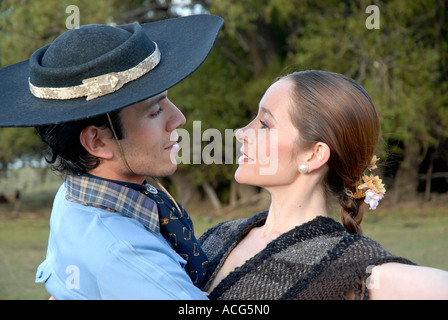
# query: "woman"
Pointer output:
{"type": "Point", "coordinates": [325, 131]}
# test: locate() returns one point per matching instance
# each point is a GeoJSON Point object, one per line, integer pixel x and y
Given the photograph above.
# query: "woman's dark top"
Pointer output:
{"type": "Point", "coordinates": [316, 260]}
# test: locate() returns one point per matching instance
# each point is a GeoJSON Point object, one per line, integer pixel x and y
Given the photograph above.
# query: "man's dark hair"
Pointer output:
{"type": "Point", "coordinates": [66, 154]}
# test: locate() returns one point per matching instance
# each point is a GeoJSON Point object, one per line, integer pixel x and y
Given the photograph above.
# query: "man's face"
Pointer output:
{"type": "Point", "coordinates": [147, 127]}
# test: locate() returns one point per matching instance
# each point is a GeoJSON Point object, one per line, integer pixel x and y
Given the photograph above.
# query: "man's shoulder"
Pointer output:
{"type": "Point", "coordinates": [105, 225]}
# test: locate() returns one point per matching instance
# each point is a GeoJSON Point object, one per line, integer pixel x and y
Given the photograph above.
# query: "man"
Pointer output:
{"type": "Point", "coordinates": [98, 97]}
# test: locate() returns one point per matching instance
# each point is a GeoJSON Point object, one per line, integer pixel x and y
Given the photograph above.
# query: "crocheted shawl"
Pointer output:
{"type": "Point", "coordinates": [317, 260]}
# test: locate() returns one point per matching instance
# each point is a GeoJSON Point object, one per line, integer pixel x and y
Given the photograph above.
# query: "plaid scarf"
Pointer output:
{"type": "Point", "coordinates": [148, 205]}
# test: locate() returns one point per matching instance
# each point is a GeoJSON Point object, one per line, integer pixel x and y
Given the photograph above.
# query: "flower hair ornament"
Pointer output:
{"type": "Point", "coordinates": [369, 187]}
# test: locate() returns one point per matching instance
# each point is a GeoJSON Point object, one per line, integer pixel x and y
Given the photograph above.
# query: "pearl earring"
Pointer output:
{"type": "Point", "coordinates": [303, 167]}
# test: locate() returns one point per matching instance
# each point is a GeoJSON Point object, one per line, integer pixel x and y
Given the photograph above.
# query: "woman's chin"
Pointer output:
{"type": "Point", "coordinates": [243, 177]}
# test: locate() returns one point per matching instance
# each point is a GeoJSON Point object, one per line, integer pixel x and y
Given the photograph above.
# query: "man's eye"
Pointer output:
{"type": "Point", "coordinates": [155, 114]}
{"type": "Point", "coordinates": [264, 125]}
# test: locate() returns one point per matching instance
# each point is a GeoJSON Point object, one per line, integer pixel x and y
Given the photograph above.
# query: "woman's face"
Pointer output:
{"type": "Point", "coordinates": [269, 151]}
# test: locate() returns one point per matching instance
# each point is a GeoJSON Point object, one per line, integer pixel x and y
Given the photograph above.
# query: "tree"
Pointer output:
{"type": "Point", "coordinates": [403, 65]}
{"type": "Point", "coordinates": [26, 26]}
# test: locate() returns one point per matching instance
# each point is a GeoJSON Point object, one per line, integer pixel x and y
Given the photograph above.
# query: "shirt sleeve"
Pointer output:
{"type": "Point", "coordinates": [146, 273]}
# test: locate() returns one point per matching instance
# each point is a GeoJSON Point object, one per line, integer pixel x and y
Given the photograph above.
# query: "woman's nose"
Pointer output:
{"type": "Point", "coordinates": [239, 135]}
{"type": "Point", "coordinates": [246, 134]}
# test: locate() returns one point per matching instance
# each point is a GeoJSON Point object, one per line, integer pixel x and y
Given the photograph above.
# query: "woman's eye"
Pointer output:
{"type": "Point", "coordinates": [264, 125]}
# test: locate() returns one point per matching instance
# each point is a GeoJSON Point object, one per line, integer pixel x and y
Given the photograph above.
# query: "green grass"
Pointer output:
{"type": "Point", "coordinates": [22, 247]}
{"type": "Point", "coordinates": [420, 234]}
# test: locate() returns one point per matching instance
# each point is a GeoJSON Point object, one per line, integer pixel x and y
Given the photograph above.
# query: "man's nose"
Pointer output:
{"type": "Point", "coordinates": [176, 119]}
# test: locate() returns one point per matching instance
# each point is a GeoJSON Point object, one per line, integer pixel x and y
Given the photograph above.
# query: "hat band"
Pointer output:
{"type": "Point", "coordinates": [100, 85]}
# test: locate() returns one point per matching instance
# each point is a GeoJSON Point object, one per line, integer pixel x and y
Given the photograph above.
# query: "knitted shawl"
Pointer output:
{"type": "Point", "coordinates": [316, 260]}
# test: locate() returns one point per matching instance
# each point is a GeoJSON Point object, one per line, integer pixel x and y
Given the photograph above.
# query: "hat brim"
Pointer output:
{"type": "Point", "coordinates": [184, 44]}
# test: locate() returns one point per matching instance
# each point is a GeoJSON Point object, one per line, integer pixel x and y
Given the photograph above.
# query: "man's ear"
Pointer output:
{"type": "Point", "coordinates": [97, 142]}
{"type": "Point", "coordinates": [320, 153]}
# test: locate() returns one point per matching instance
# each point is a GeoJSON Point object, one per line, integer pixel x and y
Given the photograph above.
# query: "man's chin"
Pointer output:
{"type": "Point", "coordinates": [166, 171]}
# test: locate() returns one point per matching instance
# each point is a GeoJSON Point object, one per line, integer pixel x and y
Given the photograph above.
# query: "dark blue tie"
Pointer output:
{"type": "Point", "coordinates": [178, 228]}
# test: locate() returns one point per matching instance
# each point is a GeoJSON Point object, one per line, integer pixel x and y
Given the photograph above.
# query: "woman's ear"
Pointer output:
{"type": "Point", "coordinates": [97, 142]}
{"type": "Point", "coordinates": [320, 153]}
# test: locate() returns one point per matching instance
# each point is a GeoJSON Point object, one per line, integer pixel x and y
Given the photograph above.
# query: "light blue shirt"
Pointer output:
{"type": "Point", "coordinates": [94, 253]}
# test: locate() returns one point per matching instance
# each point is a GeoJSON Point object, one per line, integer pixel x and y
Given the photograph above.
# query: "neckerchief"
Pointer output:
{"type": "Point", "coordinates": [175, 226]}
{"type": "Point", "coordinates": [178, 228]}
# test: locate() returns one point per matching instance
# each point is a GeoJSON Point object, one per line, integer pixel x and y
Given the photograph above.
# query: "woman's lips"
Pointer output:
{"type": "Point", "coordinates": [244, 158]}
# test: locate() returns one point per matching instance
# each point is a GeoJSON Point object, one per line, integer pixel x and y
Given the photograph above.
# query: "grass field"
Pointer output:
{"type": "Point", "coordinates": [419, 233]}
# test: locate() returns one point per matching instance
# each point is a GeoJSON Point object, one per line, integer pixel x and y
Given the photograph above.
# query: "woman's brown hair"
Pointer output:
{"type": "Point", "coordinates": [334, 109]}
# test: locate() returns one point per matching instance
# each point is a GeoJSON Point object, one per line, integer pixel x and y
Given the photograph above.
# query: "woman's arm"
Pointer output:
{"type": "Point", "coordinates": [401, 281]}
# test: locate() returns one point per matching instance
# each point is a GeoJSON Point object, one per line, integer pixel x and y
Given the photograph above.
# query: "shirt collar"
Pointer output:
{"type": "Point", "coordinates": [145, 187]}
{"type": "Point", "coordinates": [114, 196]}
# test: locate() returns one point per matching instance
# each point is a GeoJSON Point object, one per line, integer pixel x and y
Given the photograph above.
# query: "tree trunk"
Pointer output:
{"type": "Point", "coordinates": [211, 194]}
{"type": "Point", "coordinates": [406, 180]}
{"type": "Point", "coordinates": [185, 189]}
{"type": "Point", "coordinates": [429, 177]}
{"type": "Point", "coordinates": [233, 193]}
{"type": "Point", "coordinates": [246, 191]}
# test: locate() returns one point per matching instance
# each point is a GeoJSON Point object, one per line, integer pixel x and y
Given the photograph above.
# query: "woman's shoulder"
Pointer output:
{"type": "Point", "coordinates": [332, 237]}
{"type": "Point", "coordinates": [368, 252]}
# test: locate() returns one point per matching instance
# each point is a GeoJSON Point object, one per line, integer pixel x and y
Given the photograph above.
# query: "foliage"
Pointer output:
{"type": "Point", "coordinates": [17, 143]}
{"type": "Point", "coordinates": [403, 65]}
{"type": "Point", "coordinates": [26, 26]}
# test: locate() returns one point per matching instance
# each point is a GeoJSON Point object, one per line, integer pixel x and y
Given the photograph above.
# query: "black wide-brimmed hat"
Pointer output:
{"type": "Point", "coordinates": [98, 69]}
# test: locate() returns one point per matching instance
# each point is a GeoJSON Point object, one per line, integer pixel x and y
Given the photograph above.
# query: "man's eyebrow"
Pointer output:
{"type": "Point", "coordinates": [156, 100]}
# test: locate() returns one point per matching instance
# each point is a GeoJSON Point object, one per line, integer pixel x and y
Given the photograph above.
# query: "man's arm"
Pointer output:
{"type": "Point", "coordinates": [148, 273]}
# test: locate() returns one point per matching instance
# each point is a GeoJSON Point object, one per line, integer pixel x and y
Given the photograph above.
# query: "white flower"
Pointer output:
{"type": "Point", "coordinates": [372, 199]}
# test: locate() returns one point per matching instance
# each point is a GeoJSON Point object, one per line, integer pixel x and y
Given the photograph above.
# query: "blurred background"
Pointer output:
{"type": "Point", "coordinates": [402, 62]}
